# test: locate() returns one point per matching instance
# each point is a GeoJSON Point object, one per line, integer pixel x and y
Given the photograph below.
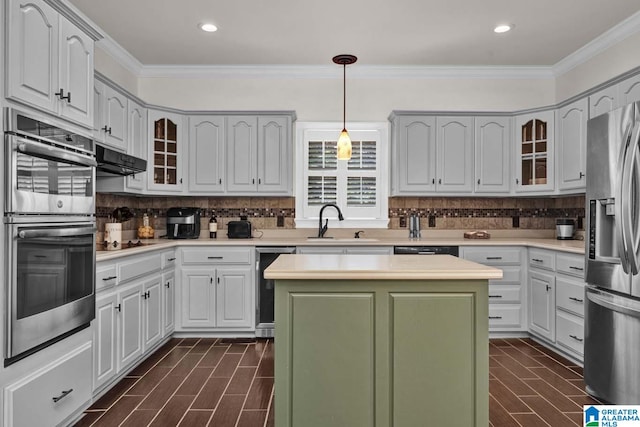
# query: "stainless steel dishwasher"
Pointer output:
{"type": "Point", "coordinates": [265, 291]}
{"type": "Point", "coordinates": [426, 250]}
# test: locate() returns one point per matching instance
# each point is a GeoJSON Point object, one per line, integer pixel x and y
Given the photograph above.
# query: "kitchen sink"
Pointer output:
{"type": "Point", "coordinates": [340, 240]}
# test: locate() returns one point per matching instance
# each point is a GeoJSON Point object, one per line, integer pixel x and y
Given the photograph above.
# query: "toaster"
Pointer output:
{"type": "Point", "coordinates": [239, 230]}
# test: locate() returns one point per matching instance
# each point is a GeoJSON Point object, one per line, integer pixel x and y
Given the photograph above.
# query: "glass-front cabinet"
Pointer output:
{"type": "Point", "coordinates": [165, 151]}
{"type": "Point", "coordinates": [534, 162]}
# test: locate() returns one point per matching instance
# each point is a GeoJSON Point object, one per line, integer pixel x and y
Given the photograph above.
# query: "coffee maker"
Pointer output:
{"type": "Point", "coordinates": [183, 223]}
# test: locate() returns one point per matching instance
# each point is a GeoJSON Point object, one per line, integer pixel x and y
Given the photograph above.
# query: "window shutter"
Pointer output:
{"type": "Point", "coordinates": [321, 190]}
{"type": "Point", "coordinates": [323, 155]}
{"type": "Point", "coordinates": [363, 155]}
{"type": "Point", "coordinates": [361, 191]}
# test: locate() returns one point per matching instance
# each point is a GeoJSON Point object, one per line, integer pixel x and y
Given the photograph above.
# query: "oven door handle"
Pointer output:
{"type": "Point", "coordinates": [55, 232]}
{"type": "Point", "coordinates": [53, 153]}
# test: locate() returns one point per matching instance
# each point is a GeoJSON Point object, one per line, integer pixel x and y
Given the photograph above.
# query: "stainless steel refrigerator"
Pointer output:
{"type": "Point", "coordinates": [612, 311]}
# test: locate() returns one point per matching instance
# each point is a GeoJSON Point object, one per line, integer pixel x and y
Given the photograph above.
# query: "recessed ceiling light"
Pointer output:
{"type": "Point", "coordinates": [209, 28]}
{"type": "Point", "coordinates": [502, 28]}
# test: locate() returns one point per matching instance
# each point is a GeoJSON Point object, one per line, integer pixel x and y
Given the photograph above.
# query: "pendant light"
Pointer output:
{"type": "Point", "coordinates": [344, 141]}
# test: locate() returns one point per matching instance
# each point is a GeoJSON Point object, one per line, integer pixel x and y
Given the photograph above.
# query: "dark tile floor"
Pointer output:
{"type": "Point", "coordinates": [199, 382]}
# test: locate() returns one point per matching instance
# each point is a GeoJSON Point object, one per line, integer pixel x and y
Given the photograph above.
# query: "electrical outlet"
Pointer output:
{"type": "Point", "coordinates": [515, 221]}
{"type": "Point", "coordinates": [403, 222]}
{"type": "Point", "coordinates": [280, 221]}
{"type": "Point", "coordinates": [432, 220]}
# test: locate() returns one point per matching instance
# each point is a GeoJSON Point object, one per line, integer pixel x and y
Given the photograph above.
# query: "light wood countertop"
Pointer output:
{"type": "Point", "coordinates": [378, 267]}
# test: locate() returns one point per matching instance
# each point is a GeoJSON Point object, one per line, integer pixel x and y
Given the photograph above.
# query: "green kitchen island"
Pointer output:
{"type": "Point", "coordinates": [381, 340]}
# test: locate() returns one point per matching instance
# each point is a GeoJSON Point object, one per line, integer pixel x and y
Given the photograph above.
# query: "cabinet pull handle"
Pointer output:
{"type": "Point", "coordinates": [548, 288]}
{"type": "Point", "coordinates": [64, 394]}
{"type": "Point", "coordinates": [220, 181]}
{"type": "Point", "coordinates": [495, 296]}
{"type": "Point", "coordinates": [167, 285]}
{"type": "Point", "coordinates": [210, 279]}
{"type": "Point", "coordinates": [576, 268]}
{"type": "Point", "coordinates": [478, 181]}
{"type": "Point", "coordinates": [215, 257]}
{"type": "Point", "coordinates": [581, 175]}
{"type": "Point", "coordinates": [40, 256]}
{"type": "Point", "coordinates": [576, 299]}
{"type": "Point", "coordinates": [259, 180]}
{"type": "Point", "coordinates": [180, 180]}
{"type": "Point", "coordinates": [218, 280]}
{"type": "Point", "coordinates": [171, 259]}
{"type": "Point", "coordinates": [576, 338]}
{"type": "Point", "coordinates": [439, 180]}
{"type": "Point", "coordinates": [495, 317]}
{"type": "Point", "coordinates": [517, 181]}
{"type": "Point", "coordinates": [109, 278]}
{"type": "Point", "coordinates": [146, 295]}
{"type": "Point", "coordinates": [433, 181]}
{"type": "Point", "coordinates": [494, 257]}
{"type": "Point", "coordinates": [118, 307]}
{"type": "Point", "coordinates": [253, 180]}
{"type": "Point", "coordinates": [536, 260]}
{"type": "Point", "coordinates": [61, 95]}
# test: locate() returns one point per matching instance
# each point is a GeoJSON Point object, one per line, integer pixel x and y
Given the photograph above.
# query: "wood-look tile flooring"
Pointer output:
{"type": "Point", "coordinates": [213, 382]}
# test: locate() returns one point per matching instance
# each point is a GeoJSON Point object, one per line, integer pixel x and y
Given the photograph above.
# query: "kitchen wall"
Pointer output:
{"type": "Point", "coordinates": [466, 213]}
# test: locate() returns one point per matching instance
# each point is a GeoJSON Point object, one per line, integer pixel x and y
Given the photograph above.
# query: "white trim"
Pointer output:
{"type": "Point", "coordinates": [121, 55]}
{"type": "Point", "coordinates": [609, 38]}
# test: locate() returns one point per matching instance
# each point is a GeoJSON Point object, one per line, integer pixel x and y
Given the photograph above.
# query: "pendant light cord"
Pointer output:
{"type": "Point", "coordinates": [344, 96]}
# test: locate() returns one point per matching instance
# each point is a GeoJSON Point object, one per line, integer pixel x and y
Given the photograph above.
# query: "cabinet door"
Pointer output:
{"type": "Point", "coordinates": [152, 295]}
{"type": "Point", "coordinates": [116, 119]}
{"type": "Point", "coordinates": [104, 340]}
{"type": "Point", "coordinates": [492, 137]}
{"type": "Point", "coordinates": [274, 155]}
{"type": "Point", "coordinates": [629, 90]}
{"type": "Point", "coordinates": [129, 326]}
{"type": "Point", "coordinates": [234, 305]}
{"type": "Point", "coordinates": [32, 59]}
{"type": "Point", "coordinates": [603, 101]}
{"type": "Point", "coordinates": [198, 298]}
{"type": "Point", "coordinates": [571, 140]}
{"type": "Point", "coordinates": [415, 148]}
{"type": "Point", "coordinates": [137, 137]}
{"type": "Point", "coordinates": [241, 153]}
{"type": "Point", "coordinates": [99, 121]}
{"type": "Point", "coordinates": [542, 304]}
{"type": "Point", "coordinates": [164, 171]}
{"type": "Point", "coordinates": [454, 153]}
{"type": "Point", "coordinates": [168, 303]}
{"type": "Point", "coordinates": [76, 73]}
{"type": "Point", "coordinates": [534, 153]}
{"type": "Point", "coordinates": [206, 154]}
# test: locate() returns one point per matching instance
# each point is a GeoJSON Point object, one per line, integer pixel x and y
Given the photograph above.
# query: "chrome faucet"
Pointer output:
{"type": "Point", "coordinates": [323, 228]}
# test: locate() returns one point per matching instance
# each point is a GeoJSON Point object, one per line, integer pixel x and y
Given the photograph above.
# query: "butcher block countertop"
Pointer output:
{"type": "Point", "coordinates": [378, 267]}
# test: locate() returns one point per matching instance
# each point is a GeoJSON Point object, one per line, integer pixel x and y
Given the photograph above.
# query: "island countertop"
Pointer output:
{"type": "Point", "coordinates": [378, 267]}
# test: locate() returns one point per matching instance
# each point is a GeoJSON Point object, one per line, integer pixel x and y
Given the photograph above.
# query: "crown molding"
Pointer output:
{"type": "Point", "coordinates": [609, 38]}
{"type": "Point", "coordinates": [333, 72]}
{"type": "Point", "coordinates": [121, 55]}
{"type": "Point", "coordinates": [79, 19]}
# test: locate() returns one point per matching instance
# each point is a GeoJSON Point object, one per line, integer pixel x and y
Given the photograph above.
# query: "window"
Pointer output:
{"type": "Point", "coordinates": [358, 186]}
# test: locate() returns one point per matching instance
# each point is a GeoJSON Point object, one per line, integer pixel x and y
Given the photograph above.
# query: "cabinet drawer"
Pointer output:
{"type": "Point", "coordinates": [106, 276]}
{"type": "Point", "coordinates": [49, 396]}
{"type": "Point", "coordinates": [570, 295]}
{"type": "Point", "coordinates": [504, 294]}
{"type": "Point", "coordinates": [216, 256]}
{"type": "Point", "coordinates": [510, 276]}
{"type": "Point", "coordinates": [168, 259]}
{"type": "Point", "coordinates": [504, 316]}
{"type": "Point", "coordinates": [320, 250]}
{"type": "Point", "coordinates": [570, 331]}
{"type": "Point", "coordinates": [542, 259]}
{"type": "Point", "coordinates": [493, 256]}
{"type": "Point", "coordinates": [138, 266]}
{"type": "Point", "coordinates": [570, 264]}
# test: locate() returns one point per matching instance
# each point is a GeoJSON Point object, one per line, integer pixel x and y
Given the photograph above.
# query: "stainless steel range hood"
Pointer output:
{"type": "Point", "coordinates": [111, 162]}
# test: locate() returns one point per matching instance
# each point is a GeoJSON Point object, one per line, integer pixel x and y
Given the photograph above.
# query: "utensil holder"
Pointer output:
{"type": "Point", "coordinates": [113, 235]}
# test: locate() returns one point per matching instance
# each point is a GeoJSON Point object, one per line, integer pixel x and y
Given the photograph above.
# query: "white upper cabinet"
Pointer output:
{"type": "Point", "coordinates": [492, 161]}
{"type": "Point", "coordinates": [110, 121]}
{"type": "Point", "coordinates": [414, 145]}
{"type": "Point", "coordinates": [274, 155]}
{"type": "Point", "coordinates": [454, 154]}
{"type": "Point", "coordinates": [50, 62]}
{"type": "Point", "coordinates": [571, 140]}
{"type": "Point", "coordinates": [603, 101]}
{"type": "Point", "coordinates": [137, 137]}
{"type": "Point", "coordinates": [534, 152]}
{"type": "Point", "coordinates": [241, 148]}
{"type": "Point", "coordinates": [206, 154]}
{"type": "Point", "coordinates": [166, 148]}
{"type": "Point", "coordinates": [629, 90]}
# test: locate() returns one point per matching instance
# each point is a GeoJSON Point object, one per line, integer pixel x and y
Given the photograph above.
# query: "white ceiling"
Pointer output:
{"type": "Point", "coordinates": [379, 32]}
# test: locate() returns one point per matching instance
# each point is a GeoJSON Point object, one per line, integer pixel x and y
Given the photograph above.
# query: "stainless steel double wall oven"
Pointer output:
{"type": "Point", "coordinates": [49, 221]}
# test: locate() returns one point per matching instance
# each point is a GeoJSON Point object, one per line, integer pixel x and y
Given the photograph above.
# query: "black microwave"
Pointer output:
{"type": "Point", "coordinates": [239, 230]}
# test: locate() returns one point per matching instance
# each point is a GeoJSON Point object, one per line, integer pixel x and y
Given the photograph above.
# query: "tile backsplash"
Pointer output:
{"type": "Point", "coordinates": [445, 212]}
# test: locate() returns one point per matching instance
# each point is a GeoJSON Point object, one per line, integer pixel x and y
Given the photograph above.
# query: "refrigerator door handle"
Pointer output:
{"type": "Point", "coordinates": [620, 206]}
{"type": "Point", "coordinates": [630, 166]}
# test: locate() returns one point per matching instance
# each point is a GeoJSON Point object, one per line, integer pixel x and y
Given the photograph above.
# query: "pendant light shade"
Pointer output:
{"type": "Point", "coordinates": [344, 141]}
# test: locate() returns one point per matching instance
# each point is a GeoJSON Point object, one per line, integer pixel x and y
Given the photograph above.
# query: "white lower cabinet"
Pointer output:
{"type": "Point", "coordinates": [507, 298]}
{"type": "Point", "coordinates": [168, 302]}
{"type": "Point", "coordinates": [542, 304]}
{"type": "Point", "coordinates": [152, 308]}
{"type": "Point", "coordinates": [104, 356]}
{"type": "Point", "coordinates": [50, 395]}
{"type": "Point", "coordinates": [217, 289]}
{"type": "Point", "coordinates": [355, 250]}
{"type": "Point", "coordinates": [129, 317]}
